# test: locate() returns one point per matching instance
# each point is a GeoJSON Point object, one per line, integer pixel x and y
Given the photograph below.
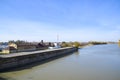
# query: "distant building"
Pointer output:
{"type": "Point", "coordinates": [55, 46]}
{"type": "Point", "coordinates": [26, 47]}
{"type": "Point", "coordinates": [12, 47]}
{"type": "Point", "coordinates": [5, 50]}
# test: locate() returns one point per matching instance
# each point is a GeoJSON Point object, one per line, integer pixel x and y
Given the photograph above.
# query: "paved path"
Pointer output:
{"type": "Point", "coordinates": [31, 52]}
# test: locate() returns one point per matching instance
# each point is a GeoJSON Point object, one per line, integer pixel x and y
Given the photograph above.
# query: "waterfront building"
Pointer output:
{"type": "Point", "coordinates": [8, 48]}
{"type": "Point", "coordinates": [25, 47]}
{"type": "Point", "coordinates": [13, 47]}
{"type": "Point", "coordinates": [55, 46]}
{"type": "Point", "coordinates": [4, 50]}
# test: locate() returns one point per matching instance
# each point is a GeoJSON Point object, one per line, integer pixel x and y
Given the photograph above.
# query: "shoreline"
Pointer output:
{"type": "Point", "coordinates": [17, 60]}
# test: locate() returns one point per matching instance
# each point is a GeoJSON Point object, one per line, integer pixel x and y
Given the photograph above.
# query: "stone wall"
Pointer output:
{"type": "Point", "coordinates": [15, 61]}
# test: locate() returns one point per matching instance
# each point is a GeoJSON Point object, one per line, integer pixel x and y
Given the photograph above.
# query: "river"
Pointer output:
{"type": "Point", "coordinates": [100, 62]}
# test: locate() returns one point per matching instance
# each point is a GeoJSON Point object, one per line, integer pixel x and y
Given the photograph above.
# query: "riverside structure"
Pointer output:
{"type": "Point", "coordinates": [23, 58]}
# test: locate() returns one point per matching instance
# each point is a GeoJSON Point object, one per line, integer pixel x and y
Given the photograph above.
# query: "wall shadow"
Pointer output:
{"type": "Point", "coordinates": [30, 65]}
{"type": "Point", "coordinates": [2, 78]}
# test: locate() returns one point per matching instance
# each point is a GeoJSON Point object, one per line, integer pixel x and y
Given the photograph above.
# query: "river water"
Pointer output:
{"type": "Point", "coordinates": [100, 62]}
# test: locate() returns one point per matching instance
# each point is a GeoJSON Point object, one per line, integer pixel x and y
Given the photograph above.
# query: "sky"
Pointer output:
{"type": "Point", "coordinates": [71, 20]}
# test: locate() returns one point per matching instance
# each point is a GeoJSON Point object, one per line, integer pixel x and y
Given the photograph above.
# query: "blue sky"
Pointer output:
{"type": "Point", "coordinates": [72, 20]}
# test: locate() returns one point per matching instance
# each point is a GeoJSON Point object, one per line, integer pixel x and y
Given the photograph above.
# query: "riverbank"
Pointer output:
{"type": "Point", "coordinates": [23, 58]}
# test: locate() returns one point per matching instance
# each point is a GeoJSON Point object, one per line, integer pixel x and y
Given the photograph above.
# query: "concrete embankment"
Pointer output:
{"type": "Point", "coordinates": [23, 58]}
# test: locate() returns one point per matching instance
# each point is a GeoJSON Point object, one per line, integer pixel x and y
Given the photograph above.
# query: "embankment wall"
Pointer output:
{"type": "Point", "coordinates": [19, 59]}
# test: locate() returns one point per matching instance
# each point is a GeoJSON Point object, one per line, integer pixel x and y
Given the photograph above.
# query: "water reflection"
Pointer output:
{"type": "Point", "coordinates": [2, 78]}
{"type": "Point", "coordinates": [119, 44]}
{"type": "Point", "coordinates": [77, 53]}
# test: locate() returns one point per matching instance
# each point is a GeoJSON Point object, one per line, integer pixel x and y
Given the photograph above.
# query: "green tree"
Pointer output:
{"type": "Point", "coordinates": [119, 42]}
{"type": "Point", "coordinates": [11, 41]}
{"type": "Point", "coordinates": [64, 44]}
{"type": "Point", "coordinates": [76, 44]}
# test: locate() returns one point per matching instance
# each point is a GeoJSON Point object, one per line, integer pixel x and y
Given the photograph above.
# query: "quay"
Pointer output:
{"type": "Point", "coordinates": [22, 58]}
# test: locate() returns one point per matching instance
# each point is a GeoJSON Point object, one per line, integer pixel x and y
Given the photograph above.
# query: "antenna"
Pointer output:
{"type": "Point", "coordinates": [57, 38]}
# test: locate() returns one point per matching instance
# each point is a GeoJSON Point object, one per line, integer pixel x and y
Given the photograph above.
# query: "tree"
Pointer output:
{"type": "Point", "coordinates": [64, 44]}
{"type": "Point", "coordinates": [11, 41]}
{"type": "Point", "coordinates": [119, 42]}
{"type": "Point", "coordinates": [76, 44]}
